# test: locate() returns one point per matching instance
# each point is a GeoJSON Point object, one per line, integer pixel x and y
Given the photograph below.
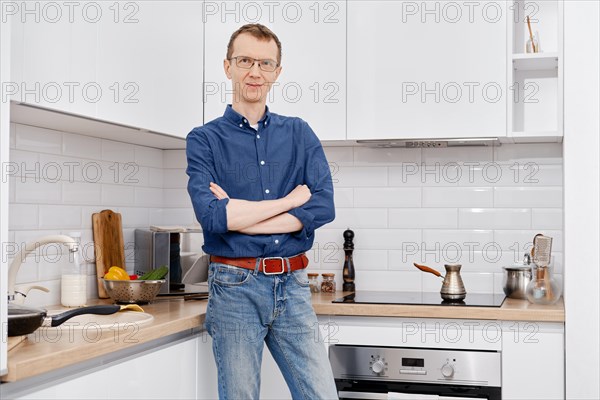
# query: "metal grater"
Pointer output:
{"type": "Point", "coordinates": [542, 249]}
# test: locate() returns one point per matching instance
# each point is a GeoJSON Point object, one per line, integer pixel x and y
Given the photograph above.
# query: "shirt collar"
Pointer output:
{"type": "Point", "coordinates": [238, 119]}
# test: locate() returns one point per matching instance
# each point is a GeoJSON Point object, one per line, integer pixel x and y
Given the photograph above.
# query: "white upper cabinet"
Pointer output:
{"type": "Point", "coordinates": [150, 65]}
{"type": "Point", "coordinates": [53, 55]}
{"type": "Point", "coordinates": [426, 69]}
{"type": "Point", "coordinates": [313, 79]}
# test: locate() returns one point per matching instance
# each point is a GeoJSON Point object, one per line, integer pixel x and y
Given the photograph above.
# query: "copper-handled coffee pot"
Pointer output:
{"type": "Point", "coordinates": [453, 288]}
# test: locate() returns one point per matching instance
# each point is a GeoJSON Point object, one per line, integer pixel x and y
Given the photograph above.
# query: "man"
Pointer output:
{"type": "Point", "coordinates": [260, 186]}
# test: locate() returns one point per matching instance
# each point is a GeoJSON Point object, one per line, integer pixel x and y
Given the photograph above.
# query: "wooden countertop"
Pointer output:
{"type": "Point", "coordinates": [41, 353]}
{"type": "Point", "coordinates": [511, 310]}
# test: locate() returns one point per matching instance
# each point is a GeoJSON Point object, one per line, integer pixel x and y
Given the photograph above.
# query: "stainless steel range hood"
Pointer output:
{"type": "Point", "coordinates": [430, 143]}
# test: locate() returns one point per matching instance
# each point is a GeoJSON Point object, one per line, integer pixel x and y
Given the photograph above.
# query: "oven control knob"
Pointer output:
{"type": "Point", "coordinates": [378, 366]}
{"type": "Point", "coordinates": [447, 370]}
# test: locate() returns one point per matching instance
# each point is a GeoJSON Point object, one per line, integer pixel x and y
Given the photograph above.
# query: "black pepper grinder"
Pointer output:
{"type": "Point", "coordinates": [348, 272]}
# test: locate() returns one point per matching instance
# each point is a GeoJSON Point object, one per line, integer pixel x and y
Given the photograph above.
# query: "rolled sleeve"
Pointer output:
{"type": "Point", "coordinates": [320, 209]}
{"type": "Point", "coordinates": [210, 212]}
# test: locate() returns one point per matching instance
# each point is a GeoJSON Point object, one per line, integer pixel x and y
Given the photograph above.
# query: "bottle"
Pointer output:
{"type": "Point", "coordinates": [543, 288]}
{"type": "Point", "coordinates": [328, 283]}
{"type": "Point", "coordinates": [73, 287]}
{"type": "Point", "coordinates": [313, 281]}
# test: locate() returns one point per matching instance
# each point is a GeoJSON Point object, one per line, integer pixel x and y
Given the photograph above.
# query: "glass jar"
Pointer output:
{"type": "Point", "coordinates": [313, 281]}
{"type": "Point", "coordinates": [543, 288]}
{"type": "Point", "coordinates": [73, 285]}
{"type": "Point", "coordinates": [328, 283]}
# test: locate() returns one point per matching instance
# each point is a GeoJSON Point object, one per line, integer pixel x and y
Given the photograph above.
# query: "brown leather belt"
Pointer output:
{"type": "Point", "coordinates": [268, 265]}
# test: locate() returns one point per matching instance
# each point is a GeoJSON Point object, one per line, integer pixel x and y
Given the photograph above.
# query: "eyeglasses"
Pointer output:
{"type": "Point", "coordinates": [248, 62]}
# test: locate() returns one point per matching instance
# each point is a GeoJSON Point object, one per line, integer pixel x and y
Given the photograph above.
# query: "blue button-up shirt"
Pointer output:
{"type": "Point", "coordinates": [263, 164]}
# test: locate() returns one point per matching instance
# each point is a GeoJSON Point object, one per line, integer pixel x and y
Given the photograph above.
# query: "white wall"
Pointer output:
{"type": "Point", "coordinates": [582, 187]}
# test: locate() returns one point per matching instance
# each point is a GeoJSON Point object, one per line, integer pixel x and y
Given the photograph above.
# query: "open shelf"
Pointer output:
{"type": "Point", "coordinates": [535, 61]}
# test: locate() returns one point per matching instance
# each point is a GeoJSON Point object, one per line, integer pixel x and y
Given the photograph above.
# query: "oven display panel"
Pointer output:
{"type": "Point", "coordinates": [413, 362]}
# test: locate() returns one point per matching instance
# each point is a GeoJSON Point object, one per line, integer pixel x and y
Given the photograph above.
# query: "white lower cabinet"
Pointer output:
{"type": "Point", "coordinates": [533, 360]}
{"type": "Point", "coordinates": [167, 373]}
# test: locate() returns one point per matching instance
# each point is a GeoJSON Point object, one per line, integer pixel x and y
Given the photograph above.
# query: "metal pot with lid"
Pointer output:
{"type": "Point", "coordinates": [516, 278]}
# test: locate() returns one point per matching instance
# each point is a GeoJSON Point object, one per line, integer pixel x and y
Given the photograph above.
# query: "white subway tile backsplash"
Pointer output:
{"type": "Point", "coordinates": [360, 176]}
{"type": "Point", "coordinates": [523, 239]}
{"type": "Point", "coordinates": [529, 174]}
{"type": "Point", "coordinates": [81, 146]}
{"type": "Point", "coordinates": [178, 216]}
{"type": "Point", "coordinates": [134, 217]}
{"type": "Point", "coordinates": [458, 154]}
{"type": "Point", "coordinates": [117, 152]}
{"type": "Point", "coordinates": [408, 174]}
{"type": "Point", "coordinates": [24, 164]}
{"type": "Point", "coordinates": [174, 159]}
{"type": "Point", "coordinates": [359, 218]}
{"type": "Point", "coordinates": [528, 197]}
{"type": "Point", "coordinates": [148, 197]}
{"type": "Point", "coordinates": [148, 156]}
{"type": "Point", "coordinates": [372, 260]}
{"type": "Point", "coordinates": [339, 155]}
{"type": "Point", "coordinates": [458, 197]}
{"type": "Point", "coordinates": [175, 179]}
{"type": "Point", "coordinates": [36, 139]}
{"type": "Point", "coordinates": [546, 218]}
{"type": "Point", "coordinates": [23, 216]}
{"type": "Point", "coordinates": [386, 239]}
{"type": "Point", "coordinates": [450, 239]}
{"type": "Point", "coordinates": [387, 197]}
{"type": "Point", "coordinates": [396, 281]}
{"type": "Point", "coordinates": [473, 206]}
{"type": "Point", "coordinates": [59, 217]}
{"type": "Point", "coordinates": [478, 282]}
{"type": "Point", "coordinates": [155, 177]}
{"type": "Point", "coordinates": [81, 193]}
{"type": "Point", "coordinates": [490, 218]}
{"type": "Point", "coordinates": [423, 218]}
{"type": "Point", "coordinates": [540, 153]}
{"type": "Point", "coordinates": [175, 198]}
{"type": "Point", "coordinates": [343, 197]}
{"type": "Point", "coordinates": [364, 156]}
{"type": "Point", "coordinates": [120, 195]}
{"type": "Point", "coordinates": [31, 191]}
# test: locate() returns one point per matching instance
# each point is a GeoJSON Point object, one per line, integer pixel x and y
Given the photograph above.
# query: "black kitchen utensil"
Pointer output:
{"type": "Point", "coordinates": [25, 320]}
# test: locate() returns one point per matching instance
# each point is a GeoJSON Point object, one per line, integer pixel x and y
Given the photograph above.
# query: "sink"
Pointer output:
{"type": "Point", "coordinates": [121, 320]}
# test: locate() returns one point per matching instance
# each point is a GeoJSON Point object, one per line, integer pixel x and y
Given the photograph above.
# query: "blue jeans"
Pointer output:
{"type": "Point", "coordinates": [247, 309]}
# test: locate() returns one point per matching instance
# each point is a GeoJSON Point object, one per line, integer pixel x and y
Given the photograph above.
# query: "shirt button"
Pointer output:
{"type": "Point", "coordinates": [267, 191]}
{"type": "Point", "coordinates": [258, 136]}
{"type": "Point", "coordinates": [276, 241]}
{"type": "Point", "coordinates": [265, 123]}
{"type": "Point", "coordinates": [241, 125]}
{"type": "Point", "coordinates": [262, 163]}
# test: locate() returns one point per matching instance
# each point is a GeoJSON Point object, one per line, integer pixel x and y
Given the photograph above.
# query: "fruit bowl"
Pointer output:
{"type": "Point", "coordinates": [137, 291]}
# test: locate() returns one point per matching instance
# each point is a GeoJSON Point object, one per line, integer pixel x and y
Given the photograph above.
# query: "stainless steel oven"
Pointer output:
{"type": "Point", "coordinates": [364, 372]}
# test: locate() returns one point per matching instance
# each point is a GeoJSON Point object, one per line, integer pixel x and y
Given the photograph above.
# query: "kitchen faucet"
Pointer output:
{"type": "Point", "coordinates": [71, 243]}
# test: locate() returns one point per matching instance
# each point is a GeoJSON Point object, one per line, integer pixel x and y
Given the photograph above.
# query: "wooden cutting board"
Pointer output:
{"type": "Point", "coordinates": [108, 244]}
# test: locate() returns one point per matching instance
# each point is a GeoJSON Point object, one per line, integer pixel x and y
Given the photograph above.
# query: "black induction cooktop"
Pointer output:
{"type": "Point", "coordinates": [421, 298]}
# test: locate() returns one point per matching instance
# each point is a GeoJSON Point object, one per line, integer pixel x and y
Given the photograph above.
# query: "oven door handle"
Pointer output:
{"type": "Point", "coordinates": [362, 395]}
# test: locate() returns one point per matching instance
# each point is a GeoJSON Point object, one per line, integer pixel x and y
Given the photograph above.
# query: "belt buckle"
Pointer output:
{"type": "Point", "coordinates": [276, 272]}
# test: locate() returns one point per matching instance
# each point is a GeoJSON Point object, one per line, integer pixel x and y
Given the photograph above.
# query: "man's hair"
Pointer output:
{"type": "Point", "coordinates": [260, 32]}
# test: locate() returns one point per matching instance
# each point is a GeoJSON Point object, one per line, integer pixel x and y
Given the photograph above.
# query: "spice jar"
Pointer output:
{"type": "Point", "coordinates": [313, 281]}
{"type": "Point", "coordinates": [328, 284]}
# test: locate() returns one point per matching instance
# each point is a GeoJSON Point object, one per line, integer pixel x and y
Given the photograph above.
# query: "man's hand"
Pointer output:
{"type": "Point", "coordinates": [218, 191]}
{"type": "Point", "coordinates": [299, 196]}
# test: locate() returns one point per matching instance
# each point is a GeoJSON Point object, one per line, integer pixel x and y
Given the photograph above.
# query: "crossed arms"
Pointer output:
{"type": "Point", "coordinates": [266, 216]}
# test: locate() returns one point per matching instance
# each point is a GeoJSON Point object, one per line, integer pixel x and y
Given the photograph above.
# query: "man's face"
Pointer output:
{"type": "Point", "coordinates": [251, 85]}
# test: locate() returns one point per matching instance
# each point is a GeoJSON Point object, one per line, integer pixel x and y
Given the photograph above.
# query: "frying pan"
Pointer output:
{"type": "Point", "coordinates": [25, 320]}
